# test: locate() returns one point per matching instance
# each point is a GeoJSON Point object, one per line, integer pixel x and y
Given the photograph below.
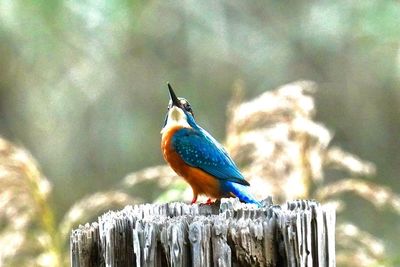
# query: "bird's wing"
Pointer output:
{"type": "Point", "coordinates": [198, 149]}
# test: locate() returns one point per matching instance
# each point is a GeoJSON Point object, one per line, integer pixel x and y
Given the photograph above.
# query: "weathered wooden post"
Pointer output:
{"type": "Point", "coordinates": [228, 233]}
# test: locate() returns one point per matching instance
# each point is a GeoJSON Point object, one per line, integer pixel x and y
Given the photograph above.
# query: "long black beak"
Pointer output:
{"type": "Point", "coordinates": [172, 95]}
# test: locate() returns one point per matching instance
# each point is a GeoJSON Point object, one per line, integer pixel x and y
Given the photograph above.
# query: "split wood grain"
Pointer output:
{"type": "Point", "coordinates": [227, 233]}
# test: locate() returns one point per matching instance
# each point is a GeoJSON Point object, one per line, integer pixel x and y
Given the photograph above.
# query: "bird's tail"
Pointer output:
{"type": "Point", "coordinates": [242, 192]}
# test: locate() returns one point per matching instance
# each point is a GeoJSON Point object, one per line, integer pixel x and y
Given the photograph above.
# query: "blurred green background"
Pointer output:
{"type": "Point", "coordinates": [83, 83]}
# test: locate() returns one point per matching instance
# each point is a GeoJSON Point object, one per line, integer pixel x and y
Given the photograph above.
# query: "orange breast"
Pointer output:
{"type": "Point", "coordinates": [200, 181]}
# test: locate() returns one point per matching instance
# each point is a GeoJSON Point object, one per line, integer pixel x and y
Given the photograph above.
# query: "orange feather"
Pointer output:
{"type": "Point", "coordinates": [201, 182]}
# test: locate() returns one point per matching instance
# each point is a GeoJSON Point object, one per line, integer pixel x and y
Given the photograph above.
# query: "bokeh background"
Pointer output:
{"type": "Point", "coordinates": [83, 83]}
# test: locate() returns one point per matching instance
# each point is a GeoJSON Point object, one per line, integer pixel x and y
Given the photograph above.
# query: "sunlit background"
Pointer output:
{"type": "Point", "coordinates": [83, 83]}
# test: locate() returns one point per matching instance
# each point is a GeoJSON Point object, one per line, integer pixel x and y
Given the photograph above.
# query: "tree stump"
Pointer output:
{"type": "Point", "coordinates": [227, 233]}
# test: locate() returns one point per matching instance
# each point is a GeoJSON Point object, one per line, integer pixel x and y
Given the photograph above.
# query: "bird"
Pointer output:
{"type": "Point", "coordinates": [198, 157]}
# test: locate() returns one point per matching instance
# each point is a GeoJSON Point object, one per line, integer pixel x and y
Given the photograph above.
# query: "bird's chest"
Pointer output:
{"type": "Point", "coordinates": [169, 153]}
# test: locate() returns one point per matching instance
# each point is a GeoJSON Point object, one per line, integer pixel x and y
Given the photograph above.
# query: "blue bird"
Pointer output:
{"type": "Point", "coordinates": [196, 156]}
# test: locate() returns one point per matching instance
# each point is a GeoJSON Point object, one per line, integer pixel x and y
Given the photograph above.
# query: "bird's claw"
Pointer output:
{"type": "Point", "coordinates": [209, 202]}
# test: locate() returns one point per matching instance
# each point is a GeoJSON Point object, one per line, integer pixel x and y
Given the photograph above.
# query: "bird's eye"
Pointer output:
{"type": "Point", "coordinates": [188, 108]}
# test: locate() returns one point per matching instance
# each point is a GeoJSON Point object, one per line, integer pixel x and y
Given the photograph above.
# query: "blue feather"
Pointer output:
{"type": "Point", "coordinates": [240, 191]}
{"type": "Point", "coordinates": [199, 149]}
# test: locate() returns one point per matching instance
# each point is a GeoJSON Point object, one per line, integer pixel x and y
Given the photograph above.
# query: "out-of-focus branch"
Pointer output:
{"type": "Point", "coordinates": [337, 158]}
{"type": "Point", "coordinates": [377, 195]}
{"type": "Point", "coordinates": [91, 205]}
{"type": "Point", "coordinates": [163, 175]}
{"type": "Point", "coordinates": [360, 248]}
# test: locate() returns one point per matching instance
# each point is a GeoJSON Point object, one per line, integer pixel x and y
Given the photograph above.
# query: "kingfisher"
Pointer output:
{"type": "Point", "coordinates": [197, 157]}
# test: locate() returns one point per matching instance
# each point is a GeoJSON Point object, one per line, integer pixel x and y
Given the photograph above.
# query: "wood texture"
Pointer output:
{"type": "Point", "coordinates": [227, 233]}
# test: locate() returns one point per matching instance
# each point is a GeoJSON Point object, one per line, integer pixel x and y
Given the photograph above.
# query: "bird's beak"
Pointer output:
{"type": "Point", "coordinates": [173, 97]}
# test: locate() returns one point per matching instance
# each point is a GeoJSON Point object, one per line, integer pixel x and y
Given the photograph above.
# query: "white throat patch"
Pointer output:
{"type": "Point", "coordinates": [176, 117]}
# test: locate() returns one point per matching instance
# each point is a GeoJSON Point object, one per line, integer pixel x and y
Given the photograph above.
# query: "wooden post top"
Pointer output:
{"type": "Point", "coordinates": [227, 233]}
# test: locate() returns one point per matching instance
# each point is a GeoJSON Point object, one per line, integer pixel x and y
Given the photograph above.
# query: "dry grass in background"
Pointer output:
{"type": "Point", "coordinates": [284, 152]}
{"type": "Point", "coordinates": [29, 235]}
{"type": "Point", "coordinates": [274, 139]}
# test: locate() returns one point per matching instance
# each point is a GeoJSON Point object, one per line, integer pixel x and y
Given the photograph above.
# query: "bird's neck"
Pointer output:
{"type": "Point", "coordinates": [167, 135]}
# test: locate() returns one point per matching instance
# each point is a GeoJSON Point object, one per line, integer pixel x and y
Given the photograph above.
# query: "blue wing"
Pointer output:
{"type": "Point", "coordinates": [199, 149]}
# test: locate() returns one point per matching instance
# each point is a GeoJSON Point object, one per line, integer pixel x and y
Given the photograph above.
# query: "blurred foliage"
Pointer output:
{"type": "Point", "coordinates": [82, 83]}
{"type": "Point", "coordinates": [284, 152]}
{"type": "Point", "coordinates": [273, 138]}
{"type": "Point", "coordinates": [29, 235]}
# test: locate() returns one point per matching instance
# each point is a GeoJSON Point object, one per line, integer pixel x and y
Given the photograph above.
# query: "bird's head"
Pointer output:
{"type": "Point", "coordinates": [179, 112]}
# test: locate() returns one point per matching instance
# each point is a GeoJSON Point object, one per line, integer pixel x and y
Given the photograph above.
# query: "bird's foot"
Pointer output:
{"type": "Point", "coordinates": [194, 199]}
{"type": "Point", "coordinates": [209, 202]}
